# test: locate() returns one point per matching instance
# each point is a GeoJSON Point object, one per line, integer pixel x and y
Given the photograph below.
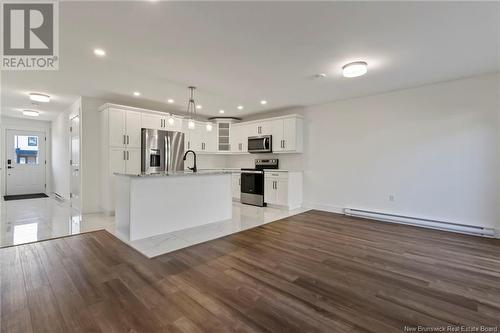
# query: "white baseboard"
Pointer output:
{"type": "Point", "coordinates": [324, 207]}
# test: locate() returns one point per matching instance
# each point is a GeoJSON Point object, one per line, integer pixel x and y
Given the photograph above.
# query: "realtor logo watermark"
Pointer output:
{"type": "Point", "coordinates": [30, 35]}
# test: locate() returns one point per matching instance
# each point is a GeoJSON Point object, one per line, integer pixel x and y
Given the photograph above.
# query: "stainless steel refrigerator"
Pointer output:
{"type": "Point", "coordinates": [162, 151]}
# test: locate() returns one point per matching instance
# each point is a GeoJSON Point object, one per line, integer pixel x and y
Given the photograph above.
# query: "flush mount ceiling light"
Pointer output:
{"type": "Point", "coordinates": [99, 52]}
{"type": "Point", "coordinates": [137, 94]}
{"type": "Point", "coordinates": [263, 102]}
{"type": "Point", "coordinates": [170, 101]}
{"type": "Point", "coordinates": [31, 113]}
{"type": "Point", "coordinates": [240, 107]}
{"type": "Point", "coordinates": [39, 97]}
{"type": "Point", "coordinates": [355, 69]}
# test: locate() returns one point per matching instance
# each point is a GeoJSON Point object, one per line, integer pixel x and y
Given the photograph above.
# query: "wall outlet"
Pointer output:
{"type": "Point", "coordinates": [391, 197]}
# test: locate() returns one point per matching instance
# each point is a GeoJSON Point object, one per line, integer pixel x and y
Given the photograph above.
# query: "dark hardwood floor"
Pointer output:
{"type": "Point", "coordinates": [313, 272]}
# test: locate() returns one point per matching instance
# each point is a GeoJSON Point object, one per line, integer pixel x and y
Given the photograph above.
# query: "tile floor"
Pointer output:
{"type": "Point", "coordinates": [24, 221]}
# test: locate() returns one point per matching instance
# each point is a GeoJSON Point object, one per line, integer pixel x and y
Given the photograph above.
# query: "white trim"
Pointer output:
{"type": "Point", "coordinates": [324, 207]}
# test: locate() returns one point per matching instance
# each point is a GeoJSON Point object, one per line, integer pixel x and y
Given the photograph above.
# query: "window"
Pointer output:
{"type": "Point", "coordinates": [26, 148]}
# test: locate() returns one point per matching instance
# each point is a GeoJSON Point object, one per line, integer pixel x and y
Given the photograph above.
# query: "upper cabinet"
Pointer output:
{"type": "Point", "coordinates": [286, 132]}
{"type": "Point", "coordinates": [124, 128]}
{"type": "Point", "coordinates": [161, 122]}
{"type": "Point", "coordinates": [288, 135]}
{"type": "Point", "coordinates": [223, 136]}
{"type": "Point", "coordinates": [199, 139]}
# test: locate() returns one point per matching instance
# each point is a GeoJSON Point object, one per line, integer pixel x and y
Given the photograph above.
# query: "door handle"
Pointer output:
{"type": "Point", "coordinates": [127, 155]}
{"type": "Point", "coordinates": [124, 139]}
{"type": "Point", "coordinates": [124, 155]}
{"type": "Point", "coordinates": [128, 139]}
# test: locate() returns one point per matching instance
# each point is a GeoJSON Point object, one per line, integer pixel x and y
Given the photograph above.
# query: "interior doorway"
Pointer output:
{"type": "Point", "coordinates": [75, 162]}
{"type": "Point", "coordinates": [25, 162]}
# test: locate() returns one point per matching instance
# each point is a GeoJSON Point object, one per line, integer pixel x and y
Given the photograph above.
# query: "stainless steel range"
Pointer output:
{"type": "Point", "coordinates": [252, 182]}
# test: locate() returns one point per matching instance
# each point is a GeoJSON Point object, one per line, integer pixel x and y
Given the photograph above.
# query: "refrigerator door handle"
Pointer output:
{"type": "Point", "coordinates": [168, 151]}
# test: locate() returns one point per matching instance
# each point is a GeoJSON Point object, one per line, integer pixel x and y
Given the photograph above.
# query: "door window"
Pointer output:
{"type": "Point", "coordinates": [26, 149]}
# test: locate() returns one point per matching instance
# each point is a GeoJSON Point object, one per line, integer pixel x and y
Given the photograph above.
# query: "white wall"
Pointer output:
{"type": "Point", "coordinates": [90, 154]}
{"type": "Point", "coordinates": [30, 125]}
{"type": "Point", "coordinates": [434, 148]}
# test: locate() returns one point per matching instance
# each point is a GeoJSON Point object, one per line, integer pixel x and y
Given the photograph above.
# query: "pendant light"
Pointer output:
{"type": "Point", "coordinates": [191, 108]}
{"type": "Point", "coordinates": [171, 120]}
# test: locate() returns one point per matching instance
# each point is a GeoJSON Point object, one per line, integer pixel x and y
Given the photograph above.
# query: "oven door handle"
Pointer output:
{"type": "Point", "coordinates": [250, 171]}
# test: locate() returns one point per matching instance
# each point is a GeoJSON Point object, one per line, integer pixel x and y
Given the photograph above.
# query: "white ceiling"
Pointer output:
{"type": "Point", "coordinates": [242, 52]}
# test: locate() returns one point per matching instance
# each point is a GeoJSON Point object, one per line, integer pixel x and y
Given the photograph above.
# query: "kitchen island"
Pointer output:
{"type": "Point", "coordinates": [153, 204]}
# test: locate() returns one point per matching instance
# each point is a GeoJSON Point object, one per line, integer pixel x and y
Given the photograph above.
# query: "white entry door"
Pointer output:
{"type": "Point", "coordinates": [75, 162]}
{"type": "Point", "coordinates": [25, 162]}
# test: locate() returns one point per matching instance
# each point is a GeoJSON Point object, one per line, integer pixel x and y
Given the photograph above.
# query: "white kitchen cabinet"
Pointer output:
{"type": "Point", "coordinates": [133, 129]}
{"type": "Point", "coordinates": [133, 161]}
{"type": "Point", "coordinates": [172, 123]}
{"type": "Point", "coordinates": [123, 160]}
{"type": "Point", "coordinates": [236, 186]}
{"type": "Point", "coordinates": [124, 128]}
{"type": "Point", "coordinates": [283, 189]}
{"type": "Point", "coordinates": [209, 140]}
{"type": "Point", "coordinates": [151, 120]}
{"type": "Point", "coordinates": [199, 139]}
{"type": "Point", "coordinates": [261, 127]}
{"type": "Point", "coordinates": [287, 135]}
{"type": "Point", "coordinates": [116, 127]}
{"type": "Point", "coordinates": [239, 138]}
{"type": "Point", "coordinates": [223, 136]}
{"type": "Point", "coordinates": [116, 160]}
{"type": "Point", "coordinates": [161, 122]}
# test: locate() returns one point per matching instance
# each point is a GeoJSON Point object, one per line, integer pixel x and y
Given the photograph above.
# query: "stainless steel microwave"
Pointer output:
{"type": "Point", "coordinates": [260, 144]}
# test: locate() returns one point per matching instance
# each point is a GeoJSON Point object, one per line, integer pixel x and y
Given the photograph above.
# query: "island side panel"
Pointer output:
{"type": "Point", "coordinates": [161, 205]}
{"type": "Point", "coordinates": [122, 212]}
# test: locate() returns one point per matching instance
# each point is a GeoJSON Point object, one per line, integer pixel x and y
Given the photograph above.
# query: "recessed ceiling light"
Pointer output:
{"type": "Point", "coordinates": [137, 94]}
{"type": "Point", "coordinates": [99, 52]}
{"type": "Point", "coordinates": [240, 107]}
{"type": "Point", "coordinates": [221, 111]}
{"type": "Point", "coordinates": [355, 69]}
{"type": "Point", "coordinates": [199, 106]}
{"type": "Point", "coordinates": [263, 102]}
{"type": "Point", "coordinates": [39, 97]}
{"type": "Point", "coordinates": [31, 113]}
{"type": "Point", "coordinates": [170, 101]}
{"type": "Point", "coordinates": [320, 75]}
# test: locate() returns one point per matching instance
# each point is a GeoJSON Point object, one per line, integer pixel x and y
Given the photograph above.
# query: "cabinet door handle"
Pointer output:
{"type": "Point", "coordinates": [124, 155]}
{"type": "Point", "coordinates": [124, 139]}
{"type": "Point", "coordinates": [127, 155]}
{"type": "Point", "coordinates": [128, 139]}
{"type": "Point", "coordinates": [189, 145]}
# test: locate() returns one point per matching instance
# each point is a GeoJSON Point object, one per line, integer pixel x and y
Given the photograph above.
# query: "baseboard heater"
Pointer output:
{"type": "Point", "coordinates": [433, 224]}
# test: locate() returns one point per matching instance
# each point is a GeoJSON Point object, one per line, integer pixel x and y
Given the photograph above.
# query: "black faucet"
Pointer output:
{"type": "Point", "coordinates": [194, 168]}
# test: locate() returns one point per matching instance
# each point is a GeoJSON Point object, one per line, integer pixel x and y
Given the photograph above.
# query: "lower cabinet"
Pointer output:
{"type": "Point", "coordinates": [283, 189]}
{"type": "Point", "coordinates": [124, 161]}
{"type": "Point", "coordinates": [236, 186]}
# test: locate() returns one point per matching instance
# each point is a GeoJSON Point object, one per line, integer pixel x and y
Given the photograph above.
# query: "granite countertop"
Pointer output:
{"type": "Point", "coordinates": [177, 174]}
